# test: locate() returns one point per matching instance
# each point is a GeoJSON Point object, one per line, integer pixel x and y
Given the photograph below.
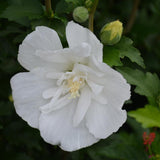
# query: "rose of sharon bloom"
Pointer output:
{"type": "Point", "coordinates": [69, 94]}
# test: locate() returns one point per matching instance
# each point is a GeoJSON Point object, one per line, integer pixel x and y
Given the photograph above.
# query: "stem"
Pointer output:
{"type": "Point", "coordinates": [49, 10]}
{"type": "Point", "coordinates": [132, 16]}
{"type": "Point", "coordinates": [91, 15]}
{"type": "Point", "coordinates": [150, 151]}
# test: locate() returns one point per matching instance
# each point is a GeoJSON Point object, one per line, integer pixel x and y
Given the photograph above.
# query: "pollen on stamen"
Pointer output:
{"type": "Point", "coordinates": [74, 87]}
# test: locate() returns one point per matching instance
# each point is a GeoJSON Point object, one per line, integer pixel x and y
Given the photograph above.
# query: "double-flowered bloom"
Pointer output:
{"type": "Point", "coordinates": [69, 94]}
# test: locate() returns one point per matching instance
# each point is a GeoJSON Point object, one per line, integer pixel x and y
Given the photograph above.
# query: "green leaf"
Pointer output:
{"type": "Point", "coordinates": [120, 146]}
{"type": "Point", "coordinates": [136, 127]}
{"type": "Point", "coordinates": [147, 84]}
{"type": "Point", "coordinates": [67, 6]}
{"type": "Point", "coordinates": [111, 56]}
{"type": "Point", "coordinates": [21, 11]}
{"type": "Point", "coordinates": [3, 6]}
{"type": "Point", "coordinates": [63, 7]}
{"type": "Point", "coordinates": [114, 54]}
{"type": "Point", "coordinates": [126, 49]}
{"type": "Point", "coordinates": [13, 28]}
{"type": "Point", "coordinates": [148, 116]}
{"type": "Point", "coordinates": [156, 144]}
{"type": "Point", "coordinates": [76, 2]}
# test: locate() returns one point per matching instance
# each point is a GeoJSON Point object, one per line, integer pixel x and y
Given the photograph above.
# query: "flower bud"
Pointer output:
{"type": "Point", "coordinates": [111, 33]}
{"type": "Point", "coordinates": [89, 4]}
{"type": "Point", "coordinates": [80, 14]}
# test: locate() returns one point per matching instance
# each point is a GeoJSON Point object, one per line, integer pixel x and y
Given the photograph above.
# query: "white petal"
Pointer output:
{"type": "Point", "coordinates": [77, 34]}
{"type": "Point", "coordinates": [85, 69]}
{"type": "Point", "coordinates": [49, 93]}
{"type": "Point", "coordinates": [103, 120]}
{"type": "Point", "coordinates": [65, 58]}
{"type": "Point", "coordinates": [51, 56]}
{"type": "Point", "coordinates": [27, 92]}
{"type": "Point", "coordinates": [57, 128]}
{"type": "Point", "coordinates": [43, 38]}
{"type": "Point", "coordinates": [82, 106]}
{"type": "Point", "coordinates": [117, 92]}
{"type": "Point", "coordinates": [100, 98]}
{"type": "Point", "coordinates": [73, 54]}
{"type": "Point", "coordinates": [56, 104]}
{"type": "Point", "coordinates": [54, 75]}
{"type": "Point", "coordinates": [62, 102]}
{"type": "Point", "coordinates": [98, 66]}
{"type": "Point", "coordinates": [116, 89]}
{"type": "Point", "coordinates": [81, 50]}
{"type": "Point", "coordinates": [96, 88]}
{"type": "Point", "coordinates": [48, 107]}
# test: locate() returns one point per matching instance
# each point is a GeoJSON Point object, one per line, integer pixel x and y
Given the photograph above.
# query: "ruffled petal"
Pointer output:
{"type": "Point", "coordinates": [77, 34]}
{"type": "Point", "coordinates": [27, 92]}
{"type": "Point", "coordinates": [57, 128]}
{"type": "Point", "coordinates": [117, 92]}
{"type": "Point", "coordinates": [96, 88]}
{"type": "Point", "coordinates": [76, 54]}
{"type": "Point", "coordinates": [116, 89]}
{"type": "Point", "coordinates": [103, 120]}
{"type": "Point", "coordinates": [100, 98]}
{"type": "Point", "coordinates": [49, 93]}
{"type": "Point", "coordinates": [82, 106]}
{"type": "Point", "coordinates": [91, 73]}
{"type": "Point", "coordinates": [43, 38]}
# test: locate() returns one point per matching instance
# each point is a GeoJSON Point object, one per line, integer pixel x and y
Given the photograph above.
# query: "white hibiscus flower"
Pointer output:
{"type": "Point", "coordinates": [69, 94]}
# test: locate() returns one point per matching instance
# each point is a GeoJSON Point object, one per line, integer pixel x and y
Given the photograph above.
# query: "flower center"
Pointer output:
{"type": "Point", "coordinates": [74, 85]}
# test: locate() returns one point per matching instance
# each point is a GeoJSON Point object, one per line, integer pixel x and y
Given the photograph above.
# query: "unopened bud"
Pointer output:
{"type": "Point", "coordinates": [89, 4]}
{"type": "Point", "coordinates": [111, 33]}
{"type": "Point", "coordinates": [80, 14]}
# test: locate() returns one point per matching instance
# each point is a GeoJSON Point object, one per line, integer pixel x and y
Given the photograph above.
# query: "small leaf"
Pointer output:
{"type": "Point", "coordinates": [126, 49]}
{"type": "Point", "coordinates": [147, 84]}
{"type": "Point", "coordinates": [148, 116]}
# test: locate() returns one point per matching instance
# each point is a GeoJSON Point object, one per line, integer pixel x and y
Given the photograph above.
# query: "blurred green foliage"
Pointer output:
{"type": "Point", "coordinates": [18, 141]}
